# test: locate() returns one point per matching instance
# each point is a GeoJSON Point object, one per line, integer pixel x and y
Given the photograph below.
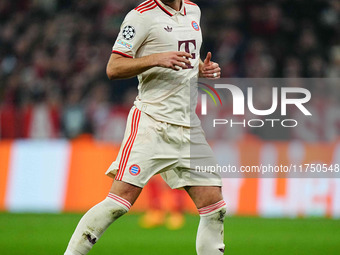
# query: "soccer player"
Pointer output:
{"type": "Point", "coordinates": [160, 42]}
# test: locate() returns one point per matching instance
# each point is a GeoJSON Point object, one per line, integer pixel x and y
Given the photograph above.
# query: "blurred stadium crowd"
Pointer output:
{"type": "Point", "coordinates": [53, 56]}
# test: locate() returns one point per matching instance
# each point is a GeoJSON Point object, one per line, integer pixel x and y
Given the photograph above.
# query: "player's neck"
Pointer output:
{"type": "Point", "coordinates": [174, 4]}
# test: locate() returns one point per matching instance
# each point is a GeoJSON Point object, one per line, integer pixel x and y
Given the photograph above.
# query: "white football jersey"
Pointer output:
{"type": "Point", "coordinates": [153, 27]}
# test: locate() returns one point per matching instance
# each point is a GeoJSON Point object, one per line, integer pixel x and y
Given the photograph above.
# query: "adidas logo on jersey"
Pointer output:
{"type": "Point", "coordinates": [168, 29]}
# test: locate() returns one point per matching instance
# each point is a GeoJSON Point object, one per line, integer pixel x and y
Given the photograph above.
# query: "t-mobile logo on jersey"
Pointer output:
{"type": "Point", "coordinates": [187, 45]}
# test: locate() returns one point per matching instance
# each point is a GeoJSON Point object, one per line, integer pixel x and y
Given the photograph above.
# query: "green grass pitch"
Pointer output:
{"type": "Point", "coordinates": [48, 234]}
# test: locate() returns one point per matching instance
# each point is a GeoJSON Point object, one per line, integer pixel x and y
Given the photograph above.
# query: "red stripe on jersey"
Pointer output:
{"type": "Point", "coordinates": [122, 54]}
{"type": "Point", "coordinates": [131, 144]}
{"type": "Point", "coordinates": [189, 2]}
{"type": "Point", "coordinates": [185, 11]}
{"type": "Point", "coordinates": [143, 4]}
{"type": "Point", "coordinates": [163, 9]}
{"type": "Point", "coordinates": [120, 200]}
{"type": "Point", "coordinates": [128, 145]}
{"type": "Point", "coordinates": [121, 162]}
{"type": "Point", "coordinates": [148, 9]}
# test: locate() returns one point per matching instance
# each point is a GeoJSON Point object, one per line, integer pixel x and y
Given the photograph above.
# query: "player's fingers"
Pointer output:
{"type": "Point", "coordinates": [211, 66]}
{"type": "Point", "coordinates": [184, 60]}
{"type": "Point", "coordinates": [174, 67]}
{"type": "Point", "coordinates": [180, 64]}
{"type": "Point", "coordinates": [211, 71]}
{"type": "Point", "coordinates": [208, 58]}
{"type": "Point", "coordinates": [183, 54]}
{"type": "Point", "coordinates": [214, 65]}
{"type": "Point", "coordinates": [213, 76]}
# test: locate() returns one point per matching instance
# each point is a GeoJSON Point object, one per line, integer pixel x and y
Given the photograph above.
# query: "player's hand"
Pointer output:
{"type": "Point", "coordinates": [175, 60]}
{"type": "Point", "coordinates": [210, 69]}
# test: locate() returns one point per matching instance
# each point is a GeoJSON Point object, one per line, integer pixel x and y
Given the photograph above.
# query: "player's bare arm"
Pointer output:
{"type": "Point", "coordinates": [209, 69]}
{"type": "Point", "coordinates": [120, 67]}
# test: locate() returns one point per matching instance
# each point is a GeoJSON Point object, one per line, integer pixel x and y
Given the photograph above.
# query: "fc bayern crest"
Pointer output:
{"type": "Point", "coordinates": [195, 26]}
{"type": "Point", "coordinates": [134, 170]}
{"type": "Point", "coordinates": [129, 32]}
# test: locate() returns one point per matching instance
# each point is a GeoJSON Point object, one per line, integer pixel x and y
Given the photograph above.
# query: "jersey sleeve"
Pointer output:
{"type": "Point", "coordinates": [133, 31]}
{"type": "Point", "coordinates": [199, 16]}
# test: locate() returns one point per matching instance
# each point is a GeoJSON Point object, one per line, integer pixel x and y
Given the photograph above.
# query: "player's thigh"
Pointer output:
{"type": "Point", "coordinates": [203, 196]}
{"type": "Point", "coordinates": [125, 190]}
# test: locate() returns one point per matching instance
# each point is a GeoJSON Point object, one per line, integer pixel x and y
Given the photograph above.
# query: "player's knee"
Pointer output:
{"type": "Point", "coordinates": [205, 196]}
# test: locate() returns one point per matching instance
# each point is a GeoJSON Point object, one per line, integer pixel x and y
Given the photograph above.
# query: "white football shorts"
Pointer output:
{"type": "Point", "coordinates": [150, 147]}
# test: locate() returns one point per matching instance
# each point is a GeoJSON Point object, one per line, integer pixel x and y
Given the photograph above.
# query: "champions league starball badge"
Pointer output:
{"type": "Point", "coordinates": [128, 32]}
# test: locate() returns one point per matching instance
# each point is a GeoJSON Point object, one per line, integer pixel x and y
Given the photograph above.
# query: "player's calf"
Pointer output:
{"type": "Point", "coordinates": [210, 234]}
{"type": "Point", "coordinates": [95, 222]}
